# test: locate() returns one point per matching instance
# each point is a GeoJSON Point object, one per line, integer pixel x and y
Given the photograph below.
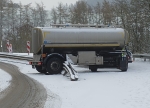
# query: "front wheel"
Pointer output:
{"type": "Point", "coordinates": [54, 65]}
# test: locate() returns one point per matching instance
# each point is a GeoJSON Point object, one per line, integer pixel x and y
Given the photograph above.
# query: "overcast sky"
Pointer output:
{"type": "Point", "coordinates": [48, 3]}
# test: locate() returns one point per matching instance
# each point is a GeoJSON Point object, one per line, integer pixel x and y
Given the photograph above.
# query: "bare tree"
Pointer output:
{"type": "Point", "coordinates": [13, 22]}
{"type": "Point", "coordinates": [107, 12]}
{"type": "Point", "coordinates": [60, 12]}
{"type": "Point", "coordinates": [71, 17]}
{"type": "Point", "coordinates": [66, 14]}
{"type": "Point", "coordinates": [98, 13]}
{"type": "Point", "coordinates": [34, 15]}
{"type": "Point", "coordinates": [42, 14]}
{"type": "Point", "coordinates": [17, 20]}
{"type": "Point", "coordinates": [54, 16]}
{"type": "Point", "coordinates": [3, 4]}
{"type": "Point", "coordinates": [135, 18]}
{"type": "Point", "coordinates": [90, 15]}
{"type": "Point", "coordinates": [80, 12]}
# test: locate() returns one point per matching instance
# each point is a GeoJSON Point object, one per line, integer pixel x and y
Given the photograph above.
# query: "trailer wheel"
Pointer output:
{"type": "Point", "coordinates": [54, 66]}
{"type": "Point", "coordinates": [39, 69]}
{"type": "Point", "coordinates": [125, 69]}
{"type": "Point", "coordinates": [124, 66]}
{"type": "Point", "coordinates": [93, 68]}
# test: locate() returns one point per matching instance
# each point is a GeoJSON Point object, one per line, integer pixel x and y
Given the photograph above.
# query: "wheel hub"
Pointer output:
{"type": "Point", "coordinates": [55, 66]}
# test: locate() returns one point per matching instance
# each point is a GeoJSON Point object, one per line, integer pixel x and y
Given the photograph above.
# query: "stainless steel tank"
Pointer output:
{"type": "Point", "coordinates": [78, 37]}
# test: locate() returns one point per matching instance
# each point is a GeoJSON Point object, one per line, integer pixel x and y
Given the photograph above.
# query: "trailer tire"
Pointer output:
{"type": "Point", "coordinates": [54, 66]}
{"type": "Point", "coordinates": [125, 69]}
{"type": "Point", "coordinates": [39, 69]}
{"type": "Point", "coordinates": [93, 68]}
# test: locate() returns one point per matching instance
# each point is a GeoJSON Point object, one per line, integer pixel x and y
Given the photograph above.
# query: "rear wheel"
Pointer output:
{"type": "Point", "coordinates": [54, 65]}
{"type": "Point", "coordinates": [125, 68]}
{"type": "Point", "coordinates": [93, 68]}
{"type": "Point", "coordinates": [124, 64]}
{"type": "Point", "coordinates": [39, 69]}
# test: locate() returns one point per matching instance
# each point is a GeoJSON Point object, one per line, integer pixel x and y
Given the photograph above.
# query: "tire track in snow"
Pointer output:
{"type": "Point", "coordinates": [23, 91]}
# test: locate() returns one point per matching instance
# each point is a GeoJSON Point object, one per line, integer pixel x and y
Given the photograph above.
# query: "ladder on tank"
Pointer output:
{"type": "Point", "coordinates": [70, 70]}
{"type": "Point", "coordinates": [86, 25]}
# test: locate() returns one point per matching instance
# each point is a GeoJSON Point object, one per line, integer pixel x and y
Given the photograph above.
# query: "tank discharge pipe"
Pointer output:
{"type": "Point", "coordinates": [70, 70]}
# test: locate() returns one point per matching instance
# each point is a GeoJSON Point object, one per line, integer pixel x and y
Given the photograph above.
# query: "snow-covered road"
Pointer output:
{"type": "Point", "coordinates": [107, 88]}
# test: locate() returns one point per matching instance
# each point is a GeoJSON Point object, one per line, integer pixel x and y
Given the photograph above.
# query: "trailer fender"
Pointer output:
{"type": "Point", "coordinates": [53, 55]}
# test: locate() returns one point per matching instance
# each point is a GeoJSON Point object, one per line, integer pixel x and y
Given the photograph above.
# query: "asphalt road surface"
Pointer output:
{"type": "Point", "coordinates": [23, 91]}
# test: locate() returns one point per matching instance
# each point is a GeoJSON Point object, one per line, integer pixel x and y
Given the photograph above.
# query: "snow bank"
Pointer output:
{"type": "Point", "coordinates": [107, 88]}
{"type": "Point", "coordinates": [5, 79]}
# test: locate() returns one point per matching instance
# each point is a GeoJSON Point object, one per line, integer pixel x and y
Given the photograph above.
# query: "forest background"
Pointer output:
{"type": "Point", "coordinates": [17, 20]}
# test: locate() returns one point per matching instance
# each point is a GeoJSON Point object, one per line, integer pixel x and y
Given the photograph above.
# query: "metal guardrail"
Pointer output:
{"type": "Point", "coordinates": [144, 56]}
{"type": "Point", "coordinates": [29, 58]}
{"type": "Point", "coordinates": [18, 57]}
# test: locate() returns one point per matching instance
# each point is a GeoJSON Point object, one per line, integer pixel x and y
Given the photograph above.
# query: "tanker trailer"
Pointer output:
{"type": "Point", "coordinates": [93, 47]}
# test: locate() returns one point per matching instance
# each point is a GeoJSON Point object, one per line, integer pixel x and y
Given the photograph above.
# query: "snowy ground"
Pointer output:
{"type": "Point", "coordinates": [4, 80]}
{"type": "Point", "coordinates": [107, 88]}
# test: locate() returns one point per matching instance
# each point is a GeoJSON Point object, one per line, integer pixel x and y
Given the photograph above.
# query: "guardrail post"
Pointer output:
{"type": "Point", "coordinates": [7, 45]}
{"type": "Point", "coordinates": [28, 47]}
{"type": "Point", "coordinates": [10, 48]}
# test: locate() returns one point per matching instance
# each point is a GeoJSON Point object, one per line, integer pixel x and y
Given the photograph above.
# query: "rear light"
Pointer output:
{"type": "Point", "coordinates": [43, 55]}
{"type": "Point", "coordinates": [39, 63]}
{"type": "Point", "coordinates": [35, 63]}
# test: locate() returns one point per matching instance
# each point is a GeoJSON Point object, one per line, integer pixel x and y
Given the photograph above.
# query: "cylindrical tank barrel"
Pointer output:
{"type": "Point", "coordinates": [78, 37]}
